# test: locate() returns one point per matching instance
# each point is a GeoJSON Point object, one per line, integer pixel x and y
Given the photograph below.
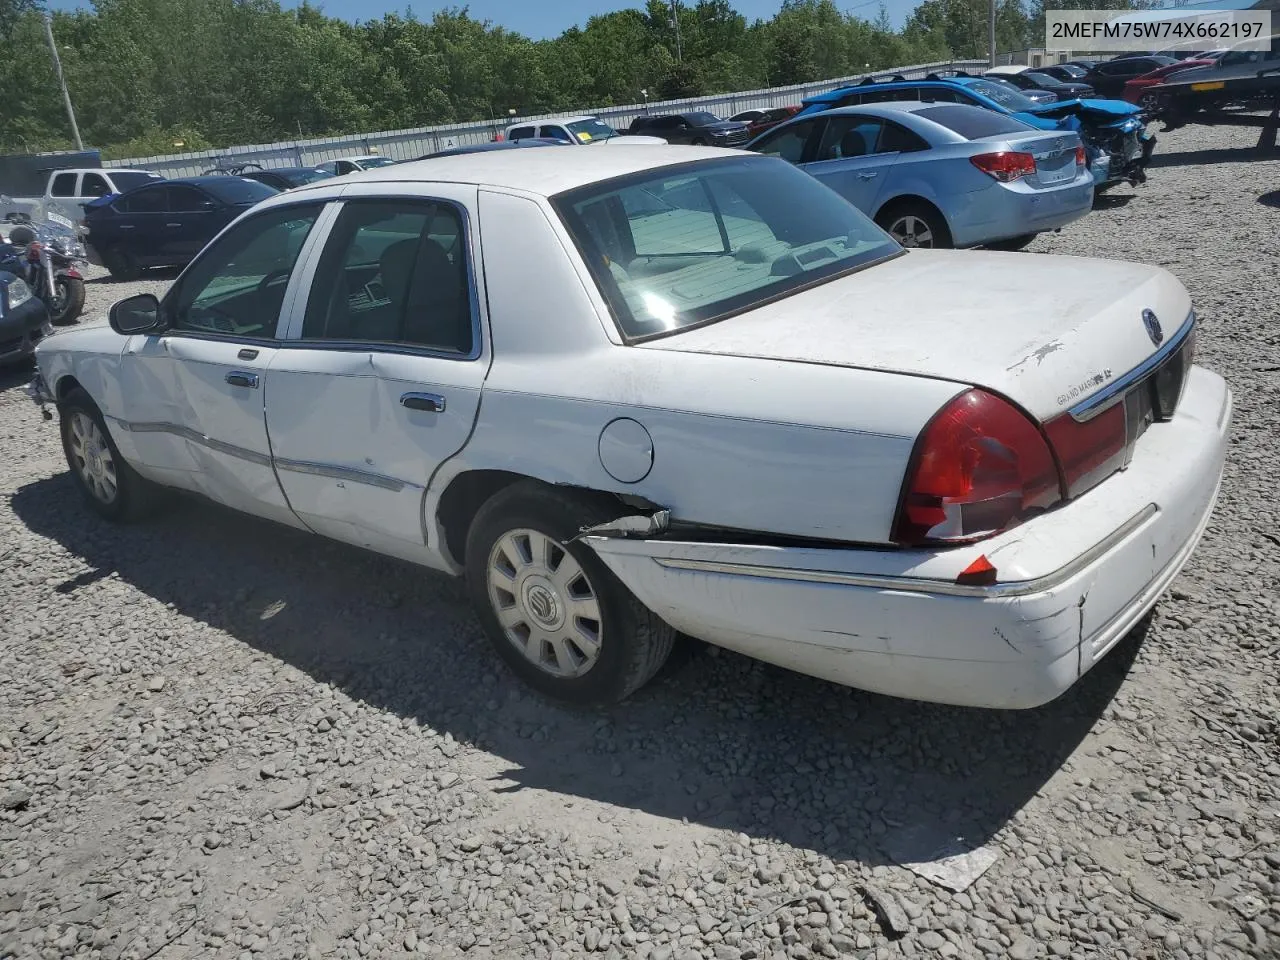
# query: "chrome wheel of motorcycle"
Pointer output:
{"type": "Point", "coordinates": [92, 458]}
{"type": "Point", "coordinates": [547, 607]}
{"type": "Point", "coordinates": [911, 231]}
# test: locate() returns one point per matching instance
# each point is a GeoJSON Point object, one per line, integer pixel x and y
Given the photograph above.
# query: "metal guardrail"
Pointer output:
{"type": "Point", "coordinates": [407, 144]}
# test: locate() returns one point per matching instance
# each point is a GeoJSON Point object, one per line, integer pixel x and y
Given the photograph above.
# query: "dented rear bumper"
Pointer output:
{"type": "Point", "coordinates": [1071, 583]}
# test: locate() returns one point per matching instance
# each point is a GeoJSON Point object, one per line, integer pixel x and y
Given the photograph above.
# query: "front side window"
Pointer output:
{"type": "Point", "coordinates": [94, 186]}
{"type": "Point", "coordinates": [847, 137]}
{"type": "Point", "coordinates": [184, 199]}
{"type": "Point", "coordinates": [237, 287]}
{"type": "Point", "coordinates": [64, 185]}
{"type": "Point", "coordinates": [150, 200]}
{"type": "Point", "coordinates": [671, 249]}
{"type": "Point", "coordinates": [555, 132]}
{"type": "Point", "coordinates": [394, 272]}
{"type": "Point", "coordinates": [522, 133]}
{"type": "Point", "coordinates": [787, 143]}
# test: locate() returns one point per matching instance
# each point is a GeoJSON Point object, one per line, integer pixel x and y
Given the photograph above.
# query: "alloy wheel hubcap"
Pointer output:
{"type": "Point", "coordinates": [544, 601]}
{"type": "Point", "coordinates": [92, 458]}
{"type": "Point", "coordinates": [911, 232]}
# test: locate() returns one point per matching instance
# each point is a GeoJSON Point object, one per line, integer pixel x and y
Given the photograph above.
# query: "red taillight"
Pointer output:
{"type": "Point", "coordinates": [980, 467]}
{"type": "Point", "coordinates": [1006, 166]}
{"type": "Point", "coordinates": [1090, 451]}
{"type": "Point", "coordinates": [1082, 158]}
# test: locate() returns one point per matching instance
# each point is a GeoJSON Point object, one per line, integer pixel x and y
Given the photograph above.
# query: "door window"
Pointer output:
{"type": "Point", "coordinates": [149, 200]}
{"type": "Point", "coordinates": [555, 133]}
{"type": "Point", "coordinates": [394, 271]}
{"type": "Point", "coordinates": [64, 185]}
{"type": "Point", "coordinates": [187, 199]}
{"type": "Point", "coordinates": [847, 137]}
{"type": "Point", "coordinates": [787, 143]}
{"type": "Point", "coordinates": [237, 287]}
{"type": "Point", "coordinates": [94, 185]}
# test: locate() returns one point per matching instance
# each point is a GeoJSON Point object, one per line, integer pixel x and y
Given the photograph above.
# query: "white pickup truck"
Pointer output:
{"type": "Point", "coordinates": [68, 190]}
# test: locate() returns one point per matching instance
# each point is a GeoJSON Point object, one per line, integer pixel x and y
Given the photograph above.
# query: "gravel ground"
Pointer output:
{"type": "Point", "coordinates": [219, 738]}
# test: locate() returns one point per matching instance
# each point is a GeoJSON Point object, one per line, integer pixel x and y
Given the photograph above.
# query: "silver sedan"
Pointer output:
{"type": "Point", "coordinates": [942, 174]}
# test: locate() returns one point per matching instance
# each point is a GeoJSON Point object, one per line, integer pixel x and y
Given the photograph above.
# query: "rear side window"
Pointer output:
{"type": "Point", "coordinates": [394, 272]}
{"type": "Point", "coordinates": [64, 185]}
{"type": "Point", "coordinates": [847, 137]}
{"type": "Point", "coordinates": [973, 123]}
{"type": "Point", "coordinates": [787, 143]}
{"type": "Point", "coordinates": [898, 139]}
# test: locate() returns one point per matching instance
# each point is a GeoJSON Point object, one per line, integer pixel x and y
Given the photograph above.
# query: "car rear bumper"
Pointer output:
{"type": "Point", "coordinates": [1071, 584]}
{"type": "Point", "coordinates": [1004, 211]}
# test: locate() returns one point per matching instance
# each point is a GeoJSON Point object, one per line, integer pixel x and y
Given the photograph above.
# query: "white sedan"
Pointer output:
{"type": "Point", "coordinates": [633, 392]}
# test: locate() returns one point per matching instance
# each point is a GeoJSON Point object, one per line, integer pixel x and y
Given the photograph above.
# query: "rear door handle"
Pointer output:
{"type": "Point", "coordinates": [430, 402]}
{"type": "Point", "coordinates": [867, 175]}
{"type": "Point", "coordinates": [126, 226]}
{"type": "Point", "coordinates": [238, 378]}
{"type": "Point", "coordinates": [173, 224]}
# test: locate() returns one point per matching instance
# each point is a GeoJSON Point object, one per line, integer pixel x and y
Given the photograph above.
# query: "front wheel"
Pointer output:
{"type": "Point", "coordinates": [108, 483]}
{"type": "Point", "coordinates": [68, 300]}
{"type": "Point", "coordinates": [553, 611]}
{"type": "Point", "coordinates": [121, 264]}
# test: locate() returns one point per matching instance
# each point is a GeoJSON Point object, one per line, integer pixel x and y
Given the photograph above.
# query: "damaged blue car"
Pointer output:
{"type": "Point", "coordinates": [1114, 132]}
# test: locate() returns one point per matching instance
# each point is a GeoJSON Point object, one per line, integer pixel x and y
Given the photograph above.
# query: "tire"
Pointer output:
{"type": "Point", "coordinates": [1013, 243]}
{"type": "Point", "coordinates": [535, 524]}
{"type": "Point", "coordinates": [122, 265]}
{"type": "Point", "coordinates": [911, 223]}
{"type": "Point", "coordinates": [110, 486]}
{"type": "Point", "coordinates": [697, 142]}
{"type": "Point", "coordinates": [71, 290]}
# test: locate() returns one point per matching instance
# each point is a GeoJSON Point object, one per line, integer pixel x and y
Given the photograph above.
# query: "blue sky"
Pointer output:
{"type": "Point", "coordinates": [537, 20]}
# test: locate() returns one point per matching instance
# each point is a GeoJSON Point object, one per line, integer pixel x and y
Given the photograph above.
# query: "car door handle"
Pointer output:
{"type": "Point", "coordinates": [126, 226]}
{"type": "Point", "coordinates": [173, 224]}
{"type": "Point", "coordinates": [867, 175]}
{"type": "Point", "coordinates": [238, 378]}
{"type": "Point", "coordinates": [430, 402]}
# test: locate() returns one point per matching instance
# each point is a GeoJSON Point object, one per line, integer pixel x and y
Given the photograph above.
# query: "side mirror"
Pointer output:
{"type": "Point", "coordinates": [137, 314]}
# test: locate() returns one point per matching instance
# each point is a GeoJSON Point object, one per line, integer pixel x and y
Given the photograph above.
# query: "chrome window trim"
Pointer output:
{"type": "Point", "coordinates": [1114, 392]}
{"type": "Point", "coordinates": [293, 337]}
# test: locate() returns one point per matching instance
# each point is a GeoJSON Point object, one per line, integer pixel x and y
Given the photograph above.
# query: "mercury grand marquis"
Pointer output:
{"type": "Point", "coordinates": [644, 391]}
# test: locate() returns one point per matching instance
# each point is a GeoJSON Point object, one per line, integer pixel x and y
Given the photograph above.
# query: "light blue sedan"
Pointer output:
{"type": "Point", "coordinates": [942, 174]}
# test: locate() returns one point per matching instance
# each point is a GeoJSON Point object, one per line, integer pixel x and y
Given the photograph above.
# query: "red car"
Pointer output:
{"type": "Point", "coordinates": [761, 120]}
{"type": "Point", "coordinates": [1137, 87]}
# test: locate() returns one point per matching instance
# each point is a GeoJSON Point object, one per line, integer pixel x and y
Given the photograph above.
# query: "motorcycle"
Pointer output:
{"type": "Point", "coordinates": [49, 257]}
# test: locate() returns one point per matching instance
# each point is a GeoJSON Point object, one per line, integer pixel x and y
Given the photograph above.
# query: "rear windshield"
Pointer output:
{"type": "Point", "coordinates": [299, 177]}
{"type": "Point", "coordinates": [702, 118]}
{"type": "Point", "coordinates": [234, 190]}
{"type": "Point", "coordinates": [686, 245]}
{"type": "Point", "coordinates": [973, 123]}
{"type": "Point", "coordinates": [1007, 97]}
{"type": "Point", "coordinates": [127, 181]}
{"type": "Point", "coordinates": [370, 163]}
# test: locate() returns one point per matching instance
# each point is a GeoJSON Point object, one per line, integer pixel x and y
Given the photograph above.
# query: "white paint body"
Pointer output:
{"type": "Point", "coordinates": [795, 420]}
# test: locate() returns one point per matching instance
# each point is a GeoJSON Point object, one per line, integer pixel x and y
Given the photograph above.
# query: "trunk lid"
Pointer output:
{"type": "Point", "coordinates": [1047, 332]}
{"type": "Point", "coordinates": [1055, 155]}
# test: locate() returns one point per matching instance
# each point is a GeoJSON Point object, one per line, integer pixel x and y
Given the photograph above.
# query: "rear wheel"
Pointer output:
{"type": "Point", "coordinates": [553, 611]}
{"type": "Point", "coordinates": [110, 486]}
{"type": "Point", "coordinates": [697, 142]}
{"type": "Point", "coordinates": [68, 300]}
{"type": "Point", "coordinates": [1013, 243]}
{"type": "Point", "coordinates": [122, 264]}
{"type": "Point", "coordinates": [915, 225]}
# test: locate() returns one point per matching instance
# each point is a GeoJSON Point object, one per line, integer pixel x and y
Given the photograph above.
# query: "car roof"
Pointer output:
{"type": "Point", "coordinates": [522, 143]}
{"type": "Point", "coordinates": [890, 107]}
{"type": "Point", "coordinates": [561, 120]}
{"type": "Point", "coordinates": [248, 173]}
{"type": "Point", "coordinates": [540, 172]}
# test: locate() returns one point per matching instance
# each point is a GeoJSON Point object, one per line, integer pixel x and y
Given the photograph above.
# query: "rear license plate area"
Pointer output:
{"type": "Point", "coordinates": [1056, 169]}
{"type": "Point", "coordinates": [1156, 397]}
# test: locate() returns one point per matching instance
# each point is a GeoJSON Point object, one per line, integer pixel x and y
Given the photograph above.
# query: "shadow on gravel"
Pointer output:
{"type": "Point", "coordinates": [718, 739]}
{"type": "Point", "coordinates": [14, 376]}
{"type": "Point", "coordinates": [1195, 158]}
{"type": "Point", "coordinates": [150, 273]}
{"type": "Point", "coordinates": [1270, 199]}
{"type": "Point", "coordinates": [1112, 201]}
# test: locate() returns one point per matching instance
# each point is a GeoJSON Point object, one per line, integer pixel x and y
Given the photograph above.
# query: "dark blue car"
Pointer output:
{"type": "Point", "coordinates": [1113, 131]}
{"type": "Point", "coordinates": [167, 223]}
